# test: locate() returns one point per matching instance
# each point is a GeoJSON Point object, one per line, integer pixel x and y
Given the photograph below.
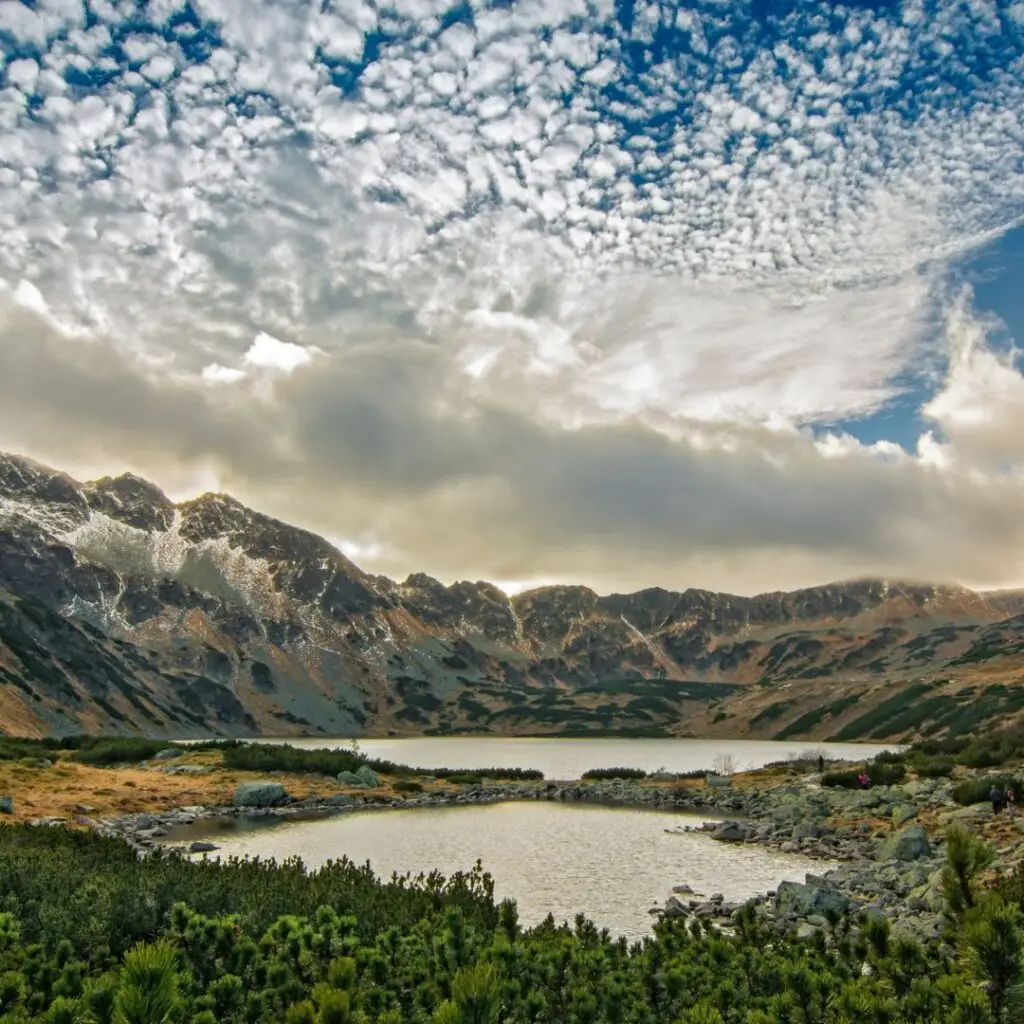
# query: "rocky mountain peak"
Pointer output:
{"type": "Point", "coordinates": [28, 483]}
{"type": "Point", "coordinates": [219, 516]}
{"type": "Point", "coordinates": [131, 500]}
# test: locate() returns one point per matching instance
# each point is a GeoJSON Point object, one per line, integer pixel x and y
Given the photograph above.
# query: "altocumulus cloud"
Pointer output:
{"type": "Point", "coordinates": [555, 288]}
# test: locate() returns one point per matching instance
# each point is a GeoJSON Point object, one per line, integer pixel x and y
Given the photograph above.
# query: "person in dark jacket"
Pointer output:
{"type": "Point", "coordinates": [996, 796]}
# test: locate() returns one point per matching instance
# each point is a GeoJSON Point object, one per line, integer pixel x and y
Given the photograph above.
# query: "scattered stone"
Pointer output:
{"type": "Point", "coordinates": [202, 846]}
{"type": "Point", "coordinates": [168, 754]}
{"type": "Point", "coordinates": [6, 804]}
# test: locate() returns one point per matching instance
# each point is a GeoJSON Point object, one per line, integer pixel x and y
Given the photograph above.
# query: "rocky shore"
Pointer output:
{"type": "Point", "coordinates": [882, 849]}
{"type": "Point", "coordinates": [889, 841]}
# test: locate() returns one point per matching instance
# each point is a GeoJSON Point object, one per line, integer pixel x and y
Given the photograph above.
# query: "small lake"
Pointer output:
{"type": "Point", "coordinates": [561, 758]}
{"type": "Point", "coordinates": [612, 864]}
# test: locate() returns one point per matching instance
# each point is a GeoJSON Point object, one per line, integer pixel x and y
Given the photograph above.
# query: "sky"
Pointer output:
{"type": "Point", "coordinates": [724, 294]}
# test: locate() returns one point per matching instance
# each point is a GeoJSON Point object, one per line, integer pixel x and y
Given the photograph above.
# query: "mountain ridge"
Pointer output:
{"type": "Point", "coordinates": [298, 638]}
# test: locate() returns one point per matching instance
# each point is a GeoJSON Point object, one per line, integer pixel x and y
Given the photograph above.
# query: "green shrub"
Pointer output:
{"type": "Point", "coordinates": [933, 767]}
{"type": "Point", "coordinates": [408, 786]}
{"type": "Point", "coordinates": [465, 779]}
{"type": "Point", "coordinates": [118, 751]}
{"type": "Point", "coordinates": [596, 774]}
{"type": "Point", "coordinates": [269, 757]}
{"type": "Point", "coordinates": [976, 791]}
{"type": "Point", "coordinates": [878, 774]}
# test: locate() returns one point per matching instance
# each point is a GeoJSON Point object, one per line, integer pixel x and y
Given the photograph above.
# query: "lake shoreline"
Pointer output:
{"type": "Point", "coordinates": [887, 840]}
{"type": "Point", "coordinates": [881, 849]}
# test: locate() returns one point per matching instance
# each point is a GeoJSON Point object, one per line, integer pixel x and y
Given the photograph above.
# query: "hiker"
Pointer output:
{"type": "Point", "coordinates": [1011, 800]}
{"type": "Point", "coordinates": [864, 779]}
{"type": "Point", "coordinates": [996, 796]}
{"type": "Point", "coordinates": [821, 763]}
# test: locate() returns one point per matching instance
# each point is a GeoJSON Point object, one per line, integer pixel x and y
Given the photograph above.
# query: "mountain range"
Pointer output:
{"type": "Point", "coordinates": [122, 611]}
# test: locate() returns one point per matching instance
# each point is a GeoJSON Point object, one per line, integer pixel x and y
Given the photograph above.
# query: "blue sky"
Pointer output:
{"type": "Point", "coordinates": [624, 293]}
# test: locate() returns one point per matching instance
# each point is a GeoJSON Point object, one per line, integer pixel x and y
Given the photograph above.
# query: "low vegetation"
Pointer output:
{"type": "Point", "coordinates": [98, 750]}
{"type": "Point", "coordinates": [268, 757]}
{"type": "Point", "coordinates": [90, 933]}
{"type": "Point", "coordinates": [879, 773]}
{"type": "Point", "coordinates": [597, 774]}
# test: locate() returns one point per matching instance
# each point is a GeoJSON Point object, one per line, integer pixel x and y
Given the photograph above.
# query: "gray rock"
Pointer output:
{"type": "Point", "coordinates": [341, 800]}
{"type": "Point", "coordinates": [806, 931]}
{"type": "Point", "coordinates": [6, 804]}
{"type": "Point", "coordinates": [259, 794]}
{"type": "Point", "coordinates": [801, 900]}
{"type": "Point", "coordinates": [201, 846]}
{"type": "Point", "coordinates": [352, 779]}
{"type": "Point", "coordinates": [910, 844]}
{"type": "Point", "coordinates": [368, 775]}
{"type": "Point", "coordinates": [168, 754]}
{"type": "Point", "coordinates": [675, 908]}
{"type": "Point", "coordinates": [902, 813]}
{"type": "Point", "coordinates": [731, 832]}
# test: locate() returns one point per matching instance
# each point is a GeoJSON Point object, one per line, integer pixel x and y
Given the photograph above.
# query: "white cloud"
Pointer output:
{"type": "Point", "coordinates": [268, 353]}
{"type": "Point", "coordinates": [570, 245]}
{"type": "Point", "coordinates": [980, 408]}
{"type": "Point", "coordinates": [214, 373]}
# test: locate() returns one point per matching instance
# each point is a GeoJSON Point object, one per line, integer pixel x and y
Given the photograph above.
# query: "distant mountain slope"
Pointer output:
{"type": "Point", "coordinates": [205, 616]}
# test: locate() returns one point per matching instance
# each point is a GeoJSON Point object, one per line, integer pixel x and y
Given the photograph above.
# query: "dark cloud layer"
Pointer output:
{"type": "Point", "coordinates": [373, 445]}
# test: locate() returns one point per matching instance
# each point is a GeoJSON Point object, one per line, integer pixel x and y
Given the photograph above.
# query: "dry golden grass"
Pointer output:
{"type": "Point", "coordinates": [55, 791]}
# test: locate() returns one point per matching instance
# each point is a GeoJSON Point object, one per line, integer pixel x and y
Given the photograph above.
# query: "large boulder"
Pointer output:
{"type": "Point", "coordinates": [259, 794]}
{"type": "Point", "coordinates": [731, 832]}
{"type": "Point", "coordinates": [910, 844]}
{"type": "Point", "coordinates": [351, 779]}
{"type": "Point", "coordinates": [6, 804]}
{"type": "Point", "coordinates": [815, 897]}
{"type": "Point", "coordinates": [902, 813]}
{"type": "Point", "coordinates": [363, 778]}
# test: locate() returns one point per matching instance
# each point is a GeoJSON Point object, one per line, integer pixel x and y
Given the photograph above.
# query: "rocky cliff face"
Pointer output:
{"type": "Point", "coordinates": [121, 610]}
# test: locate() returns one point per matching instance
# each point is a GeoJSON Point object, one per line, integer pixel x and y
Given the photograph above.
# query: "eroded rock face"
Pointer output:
{"type": "Point", "coordinates": [206, 616]}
